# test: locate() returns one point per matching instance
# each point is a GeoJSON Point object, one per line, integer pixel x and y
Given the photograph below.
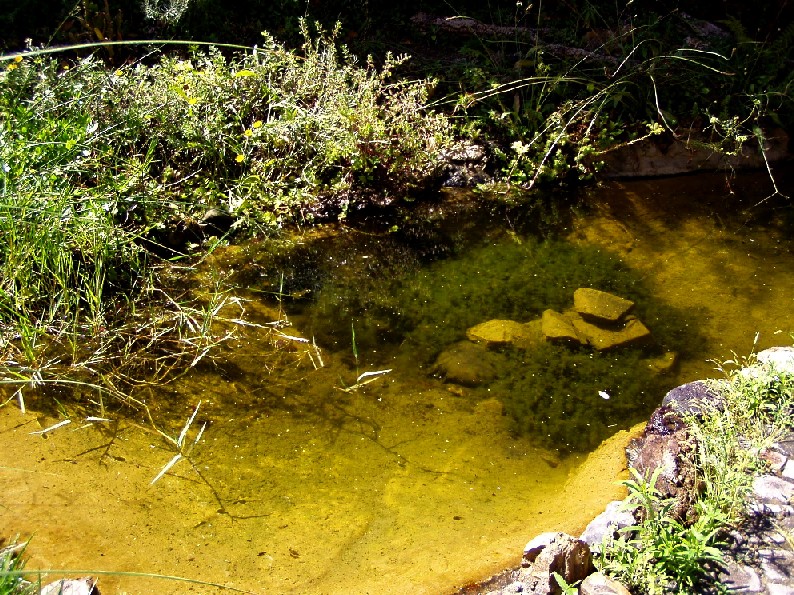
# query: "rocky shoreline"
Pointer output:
{"type": "Point", "coordinates": [761, 557]}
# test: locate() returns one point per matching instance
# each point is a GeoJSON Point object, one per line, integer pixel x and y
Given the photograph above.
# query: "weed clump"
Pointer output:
{"type": "Point", "coordinates": [103, 171]}
{"type": "Point", "coordinates": [664, 554]}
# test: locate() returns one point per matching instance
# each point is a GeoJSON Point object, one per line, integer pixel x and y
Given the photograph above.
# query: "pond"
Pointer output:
{"type": "Point", "coordinates": [341, 455]}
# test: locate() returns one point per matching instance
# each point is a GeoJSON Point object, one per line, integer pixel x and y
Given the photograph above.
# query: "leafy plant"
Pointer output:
{"type": "Point", "coordinates": [105, 172]}
{"type": "Point", "coordinates": [661, 553]}
{"type": "Point", "coordinates": [12, 564]}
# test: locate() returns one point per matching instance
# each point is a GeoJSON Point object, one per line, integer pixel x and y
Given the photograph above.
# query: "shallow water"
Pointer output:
{"type": "Point", "coordinates": [305, 483]}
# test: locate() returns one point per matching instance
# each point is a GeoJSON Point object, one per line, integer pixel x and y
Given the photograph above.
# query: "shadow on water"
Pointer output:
{"type": "Point", "coordinates": [398, 296]}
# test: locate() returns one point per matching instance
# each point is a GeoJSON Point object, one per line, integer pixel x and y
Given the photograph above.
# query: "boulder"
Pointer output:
{"type": "Point", "coordinates": [557, 328]}
{"type": "Point", "coordinates": [536, 545]}
{"type": "Point", "coordinates": [495, 333]}
{"type": "Point", "coordinates": [600, 306]}
{"type": "Point", "coordinates": [691, 397]}
{"type": "Point", "coordinates": [614, 518]}
{"type": "Point", "coordinates": [466, 363]}
{"type": "Point", "coordinates": [780, 358]}
{"type": "Point", "coordinates": [565, 555]}
{"type": "Point", "coordinates": [631, 334]}
{"type": "Point", "coordinates": [669, 447]}
{"type": "Point", "coordinates": [600, 584]}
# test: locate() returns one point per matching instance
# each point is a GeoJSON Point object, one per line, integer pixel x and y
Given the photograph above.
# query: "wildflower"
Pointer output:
{"type": "Point", "coordinates": [239, 159]}
{"type": "Point", "coordinates": [118, 72]}
{"type": "Point", "coordinates": [520, 147]}
{"type": "Point", "coordinates": [11, 66]}
{"type": "Point", "coordinates": [192, 101]}
{"type": "Point", "coordinates": [257, 124]}
{"type": "Point", "coordinates": [18, 59]}
{"type": "Point", "coordinates": [247, 133]}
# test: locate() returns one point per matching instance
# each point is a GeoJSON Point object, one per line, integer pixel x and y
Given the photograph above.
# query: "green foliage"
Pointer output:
{"type": "Point", "coordinates": [603, 78]}
{"type": "Point", "coordinates": [661, 554]}
{"type": "Point", "coordinates": [11, 565]}
{"type": "Point", "coordinates": [567, 589]}
{"type": "Point", "coordinates": [552, 392]}
{"type": "Point", "coordinates": [100, 166]}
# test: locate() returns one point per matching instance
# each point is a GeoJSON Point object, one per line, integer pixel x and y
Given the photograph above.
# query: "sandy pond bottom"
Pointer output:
{"type": "Point", "coordinates": [286, 505]}
{"type": "Point", "coordinates": [403, 486]}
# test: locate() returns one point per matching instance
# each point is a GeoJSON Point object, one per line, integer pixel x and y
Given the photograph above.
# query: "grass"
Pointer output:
{"type": "Point", "coordinates": [105, 175]}
{"type": "Point", "coordinates": [663, 553]}
{"type": "Point", "coordinates": [12, 565]}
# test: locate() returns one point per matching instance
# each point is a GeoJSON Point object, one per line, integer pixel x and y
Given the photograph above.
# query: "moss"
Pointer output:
{"type": "Point", "coordinates": [403, 310]}
{"type": "Point", "coordinates": [559, 395]}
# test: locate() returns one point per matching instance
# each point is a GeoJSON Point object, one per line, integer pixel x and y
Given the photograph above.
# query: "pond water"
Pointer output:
{"type": "Point", "coordinates": [313, 478]}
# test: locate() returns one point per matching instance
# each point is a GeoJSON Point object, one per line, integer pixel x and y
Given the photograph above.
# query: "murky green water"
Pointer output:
{"type": "Point", "coordinates": [310, 479]}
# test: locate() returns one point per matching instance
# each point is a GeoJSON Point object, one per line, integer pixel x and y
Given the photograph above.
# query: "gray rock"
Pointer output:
{"type": "Point", "coordinates": [776, 565]}
{"type": "Point", "coordinates": [781, 358]}
{"type": "Point", "coordinates": [691, 397]}
{"type": "Point", "coordinates": [740, 578]}
{"type": "Point", "coordinates": [606, 524]}
{"type": "Point", "coordinates": [464, 165]}
{"type": "Point", "coordinates": [71, 586]}
{"type": "Point", "coordinates": [776, 460]}
{"type": "Point", "coordinates": [565, 555]}
{"type": "Point", "coordinates": [536, 545]}
{"type": "Point", "coordinates": [769, 488]}
{"type": "Point", "coordinates": [600, 306]}
{"type": "Point", "coordinates": [599, 584]}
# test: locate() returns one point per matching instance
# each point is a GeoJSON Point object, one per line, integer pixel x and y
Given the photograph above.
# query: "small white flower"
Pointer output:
{"type": "Point", "coordinates": [603, 394]}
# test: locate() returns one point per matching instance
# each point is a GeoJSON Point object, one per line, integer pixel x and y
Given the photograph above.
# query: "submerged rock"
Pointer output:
{"type": "Point", "coordinates": [557, 328]}
{"type": "Point", "coordinates": [466, 363]}
{"type": "Point", "coordinates": [495, 333]}
{"type": "Point", "coordinates": [600, 306]}
{"type": "Point", "coordinates": [664, 363]}
{"type": "Point", "coordinates": [601, 338]}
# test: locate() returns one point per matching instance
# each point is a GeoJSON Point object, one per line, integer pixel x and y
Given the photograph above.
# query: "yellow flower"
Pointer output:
{"type": "Point", "coordinates": [247, 133]}
{"type": "Point", "coordinates": [239, 159]}
{"type": "Point", "coordinates": [118, 73]}
{"type": "Point", "coordinates": [18, 59]}
{"type": "Point", "coordinates": [257, 124]}
{"type": "Point", "coordinates": [192, 101]}
{"type": "Point", "coordinates": [11, 66]}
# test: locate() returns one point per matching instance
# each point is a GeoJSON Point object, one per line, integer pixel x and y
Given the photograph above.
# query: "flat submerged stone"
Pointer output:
{"type": "Point", "coordinates": [557, 328]}
{"type": "Point", "coordinates": [495, 333]}
{"type": "Point", "coordinates": [600, 305]}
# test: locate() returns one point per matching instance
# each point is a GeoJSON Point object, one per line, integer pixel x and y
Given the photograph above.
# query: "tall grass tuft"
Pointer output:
{"type": "Point", "coordinates": [100, 167]}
